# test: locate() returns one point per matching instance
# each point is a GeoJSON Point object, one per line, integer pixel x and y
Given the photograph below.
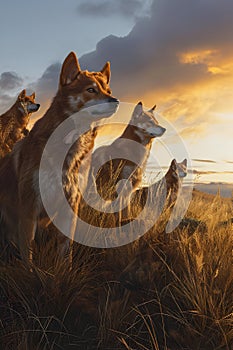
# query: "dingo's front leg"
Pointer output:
{"type": "Point", "coordinates": [26, 235]}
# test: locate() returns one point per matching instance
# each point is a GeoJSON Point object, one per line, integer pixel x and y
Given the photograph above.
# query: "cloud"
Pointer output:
{"type": "Point", "coordinates": [150, 56]}
{"type": "Point", "coordinates": [204, 160]}
{"type": "Point", "coordinates": [10, 81]}
{"type": "Point", "coordinates": [209, 172]}
{"type": "Point", "coordinates": [5, 102]}
{"type": "Point", "coordinates": [194, 130]}
{"type": "Point", "coordinates": [203, 172]}
{"type": "Point", "coordinates": [102, 8]}
{"type": "Point", "coordinates": [176, 56]}
{"type": "Point", "coordinates": [46, 87]}
{"type": "Point", "coordinates": [49, 80]}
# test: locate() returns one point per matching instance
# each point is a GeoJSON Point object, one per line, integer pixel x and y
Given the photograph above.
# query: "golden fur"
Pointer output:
{"type": "Point", "coordinates": [13, 123]}
{"type": "Point", "coordinates": [142, 129]}
{"type": "Point", "coordinates": [74, 92]}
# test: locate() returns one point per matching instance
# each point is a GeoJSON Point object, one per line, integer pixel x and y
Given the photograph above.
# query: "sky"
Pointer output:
{"type": "Point", "coordinates": [175, 53]}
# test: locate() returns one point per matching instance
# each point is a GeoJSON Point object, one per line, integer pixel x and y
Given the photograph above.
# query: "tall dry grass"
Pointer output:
{"type": "Point", "coordinates": [163, 291]}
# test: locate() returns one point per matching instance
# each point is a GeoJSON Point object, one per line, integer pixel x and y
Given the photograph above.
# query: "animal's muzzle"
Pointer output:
{"type": "Point", "coordinates": [114, 100]}
{"type": "Point", "coordinates": [163, 130]}
{"type": "Point", "coordinates": [33, 107]}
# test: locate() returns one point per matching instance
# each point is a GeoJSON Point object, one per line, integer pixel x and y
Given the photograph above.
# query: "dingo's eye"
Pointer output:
{"type": "Point", "coordinates": [91, 90]}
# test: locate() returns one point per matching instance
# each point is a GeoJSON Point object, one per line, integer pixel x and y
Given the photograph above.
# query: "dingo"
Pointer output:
{"type": "Point", "coordinates": [13, 123]}
{"type": "Point", "coordinates": [77, 89]}
{"type": "Point", "coordinates": [142, 128]}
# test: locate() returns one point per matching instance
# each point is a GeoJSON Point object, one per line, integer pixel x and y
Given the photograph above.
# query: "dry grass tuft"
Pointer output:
{"type": "Point", "coordinates": [164, 291]}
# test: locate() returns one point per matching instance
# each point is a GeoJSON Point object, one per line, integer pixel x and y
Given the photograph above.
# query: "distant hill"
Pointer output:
{"type": "Point", "coordinates": [225, 189]}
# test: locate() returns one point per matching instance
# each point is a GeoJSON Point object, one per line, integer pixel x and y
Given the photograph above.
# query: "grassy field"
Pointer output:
{"type": "Point", "coordinates": [162, 292]}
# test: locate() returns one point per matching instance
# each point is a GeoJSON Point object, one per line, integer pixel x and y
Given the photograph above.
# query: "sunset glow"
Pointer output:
{"type": "Point", "coordinates": [183, 64]}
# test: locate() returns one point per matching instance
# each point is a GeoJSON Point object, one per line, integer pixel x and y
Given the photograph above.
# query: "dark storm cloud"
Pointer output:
{"type": "Point", "coordinates": [148, 58]}
{"type": "Point", "coordinates": [46, 86]}
{"type": "Point", "coordinates": [111, 8]}
{"type": "Point", "coordinates": [10, 81]}
{"type": "Point", "coordinates": [49, 80]}
{"type": "Point", "coordinates": [6, 101]}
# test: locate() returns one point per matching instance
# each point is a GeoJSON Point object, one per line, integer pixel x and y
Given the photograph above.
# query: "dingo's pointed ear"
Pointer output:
{"type": "Point", "coordinates": [70, 69]}
{"type": "Point", "coordinates": [33, 95]}
{"type": "Point", "coordinates": [185, 162]}
{"type": "Point", "coordinates": [106, 71]}
{"type": "Point", "coordinates": [152, 109]}
{"type": "Point", "coordinates": [138, 109]}
{"type": "Point", "coordinates": [22, 94]}
{"type": "Point", "coordinates": [174, 164]}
